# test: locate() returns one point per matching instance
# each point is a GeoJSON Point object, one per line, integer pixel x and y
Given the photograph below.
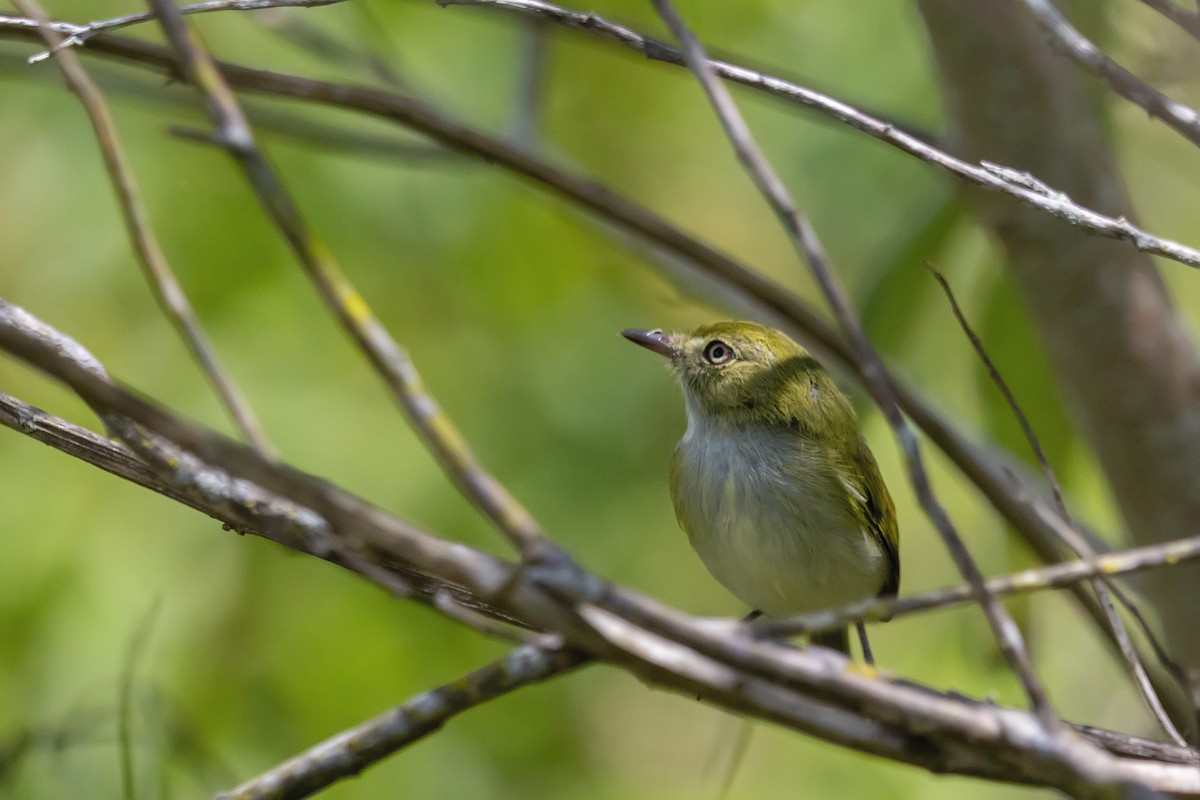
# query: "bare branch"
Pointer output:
{"type": "Point", "coordinates": [312, 38]}
{"type": "Point", "coordinates": [1122, 562]}
{"type": "Point", "coordinates": [351, 751]}
{"type": "Point", "coordinates": [351, 310]}
{"type": "Point", "coordinates": [1181, 118]}
{"type": "Point", "coordinates": [82, 33]}
{"type": "Point", "coordinates": [1188, 20]}
{"type": "Point", "coordinates": [1052, 202]}
{"type": "Point", "coordinates": [1116, 625]}
{"type": "Point", "coordinates": [162, 280]}
{"type": "Point", "coordinates": [875, 376]}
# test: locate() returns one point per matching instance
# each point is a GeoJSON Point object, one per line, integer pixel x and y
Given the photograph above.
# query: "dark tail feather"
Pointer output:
{"type": "Point", "coordinates": [836, 640]}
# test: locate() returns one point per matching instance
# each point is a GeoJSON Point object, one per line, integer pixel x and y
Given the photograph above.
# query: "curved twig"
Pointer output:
{"type": "Point", "coordinates": [1063, 35]}
{"type": "Point", "coordinates": [1100, 583]}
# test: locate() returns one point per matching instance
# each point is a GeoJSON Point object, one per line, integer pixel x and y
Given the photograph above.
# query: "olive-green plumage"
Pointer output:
{"type": "Point", "coordinates": [772, 481]}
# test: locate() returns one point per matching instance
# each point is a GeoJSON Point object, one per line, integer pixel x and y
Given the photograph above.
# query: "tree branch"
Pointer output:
{"type": "Point", "coordinates": [1100, 583]}
{"type": "Point", "coordinates": [350, 752]}
{"type": "Point", "coordinates": [1063, 35]}
{"type": "Point", "coordinates": [1188, 20]}
{"type": "Point", "coordinates": [1121, 354]}
{"type": "Point", "coordinates": [165, 286]}
{"type": "Point", "coordinates": [1014, 183]}
{"type": "Point", "coordinates": [351, 310]}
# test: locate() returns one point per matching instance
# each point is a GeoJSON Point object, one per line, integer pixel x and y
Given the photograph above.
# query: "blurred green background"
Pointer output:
{"type": "Point", "coordinates": [510, 303]}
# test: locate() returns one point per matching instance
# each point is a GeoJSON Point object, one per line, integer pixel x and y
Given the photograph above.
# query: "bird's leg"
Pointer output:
{"type": "Point", "coordinates": [868, 656]}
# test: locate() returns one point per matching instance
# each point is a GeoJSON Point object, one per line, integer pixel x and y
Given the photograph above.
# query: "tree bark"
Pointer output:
{"type": "Point", "coordinates": [1124, 359]}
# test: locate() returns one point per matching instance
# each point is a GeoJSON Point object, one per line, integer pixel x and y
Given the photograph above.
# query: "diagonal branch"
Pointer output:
{"type": "Point", "coordinates": [1188, 20]}
{"type": "Point", "coordinates": [1064, 573]}
{"type": "Point", "coordinates": [876, 378]}
{"type": "Point", "coordinates": [162, 280]}
{"type": "Point", "coordinates": [1179, 117]}
{"type": "Point", "coordinates": [388, 358]}
{"type": "Point", "coordinates": [1100, 583]}
{"type": "Point", "coordinates": [84, 32]}
{"type": "Point", "coordinates": [351, 751]}
{"type": "Point", "coordinates": [1014, 183]}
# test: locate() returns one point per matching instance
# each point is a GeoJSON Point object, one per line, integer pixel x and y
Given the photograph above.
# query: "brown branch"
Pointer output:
{"type": "Point", "coordinates": [1063, 35]}
{"type": "Point", "coordinates": [1014, 183]}
{"type": "Point", "coordinates": [351, 751]}
{"type": "Point", "coordinates": [1188, 20]}
{"type": "Point", "coordinates": [165, 286]}
{"type": "Point", "coordinates": [1121, 354]}
{"type": "Point", "coordinates": [1100, 583]}
{"type": "Point", "coordinates": [1054, 576]}
{"type": "Point", "coordinates": [351, 310]}
{"type": "Point", "coordinates": [82, 33]}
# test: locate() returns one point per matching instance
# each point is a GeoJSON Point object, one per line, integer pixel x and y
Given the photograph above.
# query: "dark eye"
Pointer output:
{"type": "Point", "coordinates": [717, 352]}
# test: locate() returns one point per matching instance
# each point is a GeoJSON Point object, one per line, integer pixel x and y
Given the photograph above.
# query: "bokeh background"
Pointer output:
{"type": "Point", "coordinates": [510, 303]}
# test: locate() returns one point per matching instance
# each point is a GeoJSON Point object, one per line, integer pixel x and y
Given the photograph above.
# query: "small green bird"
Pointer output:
{"type": "Point", "coordinates": [772, 481]}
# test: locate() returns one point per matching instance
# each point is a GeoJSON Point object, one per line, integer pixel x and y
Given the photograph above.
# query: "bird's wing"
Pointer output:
{"type": "Point", "coordinates": [871, 497]}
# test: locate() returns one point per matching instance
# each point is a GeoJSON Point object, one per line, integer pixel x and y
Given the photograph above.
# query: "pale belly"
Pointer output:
{"type": "Point", "coordinates": [782, 540]}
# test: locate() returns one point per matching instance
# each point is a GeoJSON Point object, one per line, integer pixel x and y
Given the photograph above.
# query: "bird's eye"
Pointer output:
{"type": "Point", "coordinates": [717, 352]}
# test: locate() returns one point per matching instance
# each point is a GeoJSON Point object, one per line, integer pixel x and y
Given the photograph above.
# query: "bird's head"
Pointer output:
{"type": "Point", "coordinates": [740, 372]}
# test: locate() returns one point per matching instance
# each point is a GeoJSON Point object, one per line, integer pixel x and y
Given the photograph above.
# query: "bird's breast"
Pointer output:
{"type": "Point", "coordinates": [767, 514]}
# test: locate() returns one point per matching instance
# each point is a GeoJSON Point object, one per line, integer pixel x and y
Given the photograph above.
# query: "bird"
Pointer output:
{"type": "Point", "coordinates": [772, 480]}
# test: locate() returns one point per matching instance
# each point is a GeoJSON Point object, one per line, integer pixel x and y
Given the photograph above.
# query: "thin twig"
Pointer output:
{"type": "Point", "coordinates": [809, 247]}
{"type": "Point", "coordinates": [1099, 586]}
{"type": "Point", "coordinates": [351, 310]}
{"type": "Point", "coordinates": [1051, 201]}
{"type": "Point", "coordinates": [1054, 576]}
{"type": "Point", "coordinates": [351, 751]}
{"type": "Point", "coordinates": [531, 83]}
{"type": "Point", "coordinates": [1188, 20]}
{"type": "Point", "coordinates": [1181, 118]}
{"type": "Point", "coordinates": [165, 286]}
{"type": "Point", "coordinates": [1023, 421]}
{"type": "Point", "coordinates": [84, 32]}
{"type": "Point", "coordinates": [313, 39]}
{"type": "Point", "coordinates": [1001, 179]}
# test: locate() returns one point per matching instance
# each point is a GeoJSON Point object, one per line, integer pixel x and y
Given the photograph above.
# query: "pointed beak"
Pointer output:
{"type": "Point", "coordinates": [655, 340]}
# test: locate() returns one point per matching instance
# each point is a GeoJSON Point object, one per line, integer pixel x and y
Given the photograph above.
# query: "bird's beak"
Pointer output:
{"type": "Point", "coordinates": [655, 340]}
